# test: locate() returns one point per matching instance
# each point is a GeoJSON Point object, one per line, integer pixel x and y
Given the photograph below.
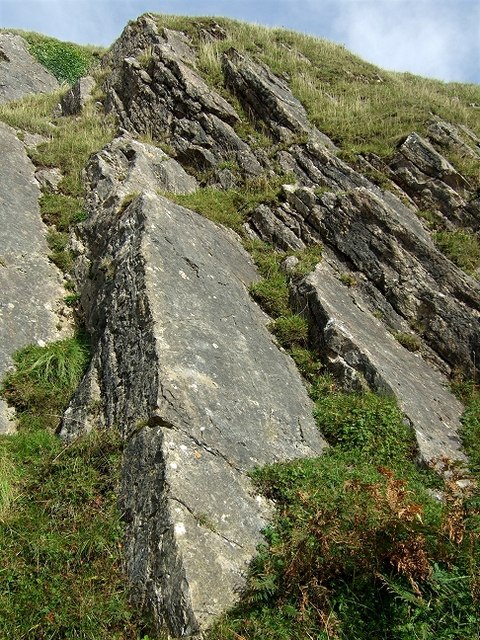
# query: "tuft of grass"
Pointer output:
{"type": "Point", "coordinates": [408, 340]}
{"type": "Point", "coordinates": [230, 207]}
{"type": "Point", "coordinates": [291, 331]}
{"type": "Point", "coordinates": [61, 210]}
{"type": "Point", "coordinates": [44, 380]}
{"type": "Point", "coordinates": [462, 247]}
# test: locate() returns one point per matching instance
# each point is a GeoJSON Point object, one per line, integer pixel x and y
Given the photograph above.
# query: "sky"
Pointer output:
{"type": "Point", "coordinates": [434, 38]}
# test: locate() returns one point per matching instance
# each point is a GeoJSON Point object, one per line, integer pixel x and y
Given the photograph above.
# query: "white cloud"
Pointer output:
{"type": "Point", "coordinates": [432, 38]}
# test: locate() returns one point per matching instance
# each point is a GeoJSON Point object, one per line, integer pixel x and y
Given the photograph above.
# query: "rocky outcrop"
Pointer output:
{"type": "Point", "coordinates": [184, 367]}
{"type": "Point", "coordinates": [75, 99]}
{"type": "Point", "coordinates": [31, 286]}
{"type": "Point", "coordinates": [154, 89]}
{"type": "Point", "coordinates": [269, 99]}
{"type": "Point", "coordinates": [20, 73]}
{"type": "Point", "coordinates": [360, 349]}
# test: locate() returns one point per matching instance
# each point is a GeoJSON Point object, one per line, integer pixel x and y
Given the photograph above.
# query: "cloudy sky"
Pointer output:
{"type": "Point", "coordinates": [435, 38]}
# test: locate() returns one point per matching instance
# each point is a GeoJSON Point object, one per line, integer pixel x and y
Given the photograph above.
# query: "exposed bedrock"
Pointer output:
{"type": "Point", "coordinates": [359, 347]}
{"type": "Point", "coordinates": [31, 288]}
{"type": "Point", "coordinates": [185, 368]}
{"type": "Point", "coordinates": [20, 73]}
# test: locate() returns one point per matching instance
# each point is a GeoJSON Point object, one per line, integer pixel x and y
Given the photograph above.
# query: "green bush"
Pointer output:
{"type": "Point", "coordinates": [370, 423]}
{"type": "Point", "coordinates": [357, 552]}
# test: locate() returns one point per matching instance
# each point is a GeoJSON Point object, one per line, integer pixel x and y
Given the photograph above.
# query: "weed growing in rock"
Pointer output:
{"type": "Point", "coordinates": [44, 379]}
{"type": "Point", "coordinates": [408, 340]}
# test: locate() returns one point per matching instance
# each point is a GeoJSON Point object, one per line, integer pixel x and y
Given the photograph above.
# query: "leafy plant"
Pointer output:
{"type": "Point", "coordinates": [366, 422]}
{"type": "Point", "coordinates": [66, 61]}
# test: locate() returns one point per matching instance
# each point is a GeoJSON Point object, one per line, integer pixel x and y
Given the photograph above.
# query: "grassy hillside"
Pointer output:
{"type": "Point", "coordinates": [360, 106]}
{"type": "Point", "coordinates": [360, 547]}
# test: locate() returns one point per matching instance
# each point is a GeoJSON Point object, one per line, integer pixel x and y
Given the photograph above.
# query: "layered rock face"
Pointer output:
{"type": "Point", "coordinates": [183, 365]}
{"type": "Point", "coordinates": [30, 285]}
{"type": "Point", "coordinates": [185, 368]}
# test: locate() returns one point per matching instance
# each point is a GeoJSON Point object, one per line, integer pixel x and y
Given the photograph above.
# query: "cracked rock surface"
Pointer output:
{"type": "Point", "coordinates": [358, 343]}
{"type": "Point", "coordinates": [185, 367]}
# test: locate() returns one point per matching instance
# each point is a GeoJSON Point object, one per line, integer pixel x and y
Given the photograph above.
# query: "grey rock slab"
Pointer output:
{"type": "Point", "coordinates": [30, 286]}
{"type": "Point", "coordinates": [20, 73]}
{"type": "Point", "coordinates": [185, 367]}
{"type": "Point", "coordinates": [155, 88]}
{"type": "Point", "coordinates": [357, 341]}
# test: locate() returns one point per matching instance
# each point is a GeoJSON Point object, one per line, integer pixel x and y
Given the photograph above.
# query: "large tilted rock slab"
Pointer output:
{"type": "Point", "coordinates": [357, 342]}
{"type": "Point", "coordinates": [185, 368]}
{"type": "Point", "coordinates": [30, 286]}
{"type": "Point", "coordinates": [20, 73]}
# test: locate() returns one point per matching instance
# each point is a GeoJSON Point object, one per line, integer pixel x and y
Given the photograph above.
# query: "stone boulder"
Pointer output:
{"type": "Point", "coordinates": [31, 286]}
{"type": "Point", "coordinates": [373, 232]}
{"type": "Point", "coordinates": [185, 368]}
{"type": "Point", "coordinates": [269, 99]}
{"type": "Point", "coordinates": [20, 72]}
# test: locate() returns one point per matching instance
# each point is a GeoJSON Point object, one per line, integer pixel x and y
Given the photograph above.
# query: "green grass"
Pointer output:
{"type": "Point", "coordinates": [69, 144]}
{"type": "Point", "coordinates": [359, 548]}
{"type": "Point", "coordinates": [230, 207]}
{"type": "Point", "coordinates": [60, 529]}
{"type": "Point", "coordinates": [44, 379]}
{"type": "Point", "coordinates": [61, 537]}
